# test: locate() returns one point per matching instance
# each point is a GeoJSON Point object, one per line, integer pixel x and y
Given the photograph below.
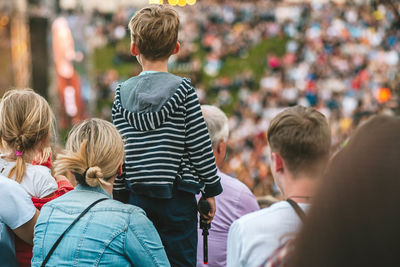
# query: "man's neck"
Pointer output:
{"type": "Point", "coordinates": [160, 66]}
{"type": "Point", "coordinates": [301, 189]}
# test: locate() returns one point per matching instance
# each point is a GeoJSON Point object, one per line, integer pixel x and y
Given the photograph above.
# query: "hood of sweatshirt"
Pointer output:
{"type": "Point", "coordinates": [148, 92]}
{"type": "Point", "coordinates": [147, 101]}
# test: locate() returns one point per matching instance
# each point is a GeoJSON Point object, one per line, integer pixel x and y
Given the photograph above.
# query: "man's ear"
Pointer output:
{"type": "Point", "coordinates": [221, 147]}
{"type": "Point", "coordinates": [177, 48]}
{"type": "Point", "coordinates": [134, 50]}
{"type": "Point", "coordinates": [278, 162]}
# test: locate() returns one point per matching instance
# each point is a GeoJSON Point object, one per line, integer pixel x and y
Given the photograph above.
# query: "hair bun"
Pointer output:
{"type": "Point", "coordinates": [94, 176]}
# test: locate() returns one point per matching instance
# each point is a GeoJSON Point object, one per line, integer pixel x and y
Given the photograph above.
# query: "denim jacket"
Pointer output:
{"type": "Point", "coordinates": [110, 234]}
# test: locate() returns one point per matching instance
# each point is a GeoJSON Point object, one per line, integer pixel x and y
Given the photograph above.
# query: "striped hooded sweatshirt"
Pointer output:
{"type": "Point", "coordinates": [166, 138]}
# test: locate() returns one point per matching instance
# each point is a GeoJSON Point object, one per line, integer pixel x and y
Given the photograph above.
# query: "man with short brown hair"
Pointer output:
{"type": "Point", "coordinates": [299, 143]}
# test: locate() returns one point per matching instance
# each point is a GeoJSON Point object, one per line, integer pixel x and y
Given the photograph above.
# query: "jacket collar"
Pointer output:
{"type": "Point", "coordinates": [97, 189]}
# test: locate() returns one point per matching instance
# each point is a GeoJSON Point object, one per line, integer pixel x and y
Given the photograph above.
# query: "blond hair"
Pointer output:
{"type": "Point", "coordinates": [94, 152]}
{"type": "Point", "coordinates": [26, 119]}
{"type": "Point", "coordinates": [154, 30]}
{"type": "Point", "coordinates": [302, 137]}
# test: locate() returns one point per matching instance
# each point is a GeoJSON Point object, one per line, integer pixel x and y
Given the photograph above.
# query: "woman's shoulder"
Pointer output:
{"type": "Point", "coordinates": [78, 200]}
{"type": "Point", "coordinates": [127, 208]}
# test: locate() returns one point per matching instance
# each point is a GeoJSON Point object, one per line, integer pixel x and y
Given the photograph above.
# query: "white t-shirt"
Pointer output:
{"type": "Point", "coordinates": [253, 237]}
{"type": "Point", "coordinates": [16, 209]}
{"type": "Point", "coordinates": [37, 182]}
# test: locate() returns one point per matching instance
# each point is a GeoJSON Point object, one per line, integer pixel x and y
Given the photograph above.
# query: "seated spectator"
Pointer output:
{"type": "Point", "coordinates": [299, 140]}
{"type": "Point", "coordinates": [354, 219]}
{"type": "Point", "coordinates": [16, 213]}
{"type": "Point", "coordinates": [111, 233]}
{"type": "Point", "coordinates": [235, 201]}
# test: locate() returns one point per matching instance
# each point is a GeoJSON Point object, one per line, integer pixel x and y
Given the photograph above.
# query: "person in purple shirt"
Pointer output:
{"type": "Point", "coordinates": [236, 199]}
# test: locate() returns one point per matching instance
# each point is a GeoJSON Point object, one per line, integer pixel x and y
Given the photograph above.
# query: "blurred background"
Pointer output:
{"type": "Point", "coordinates": [250, 58]}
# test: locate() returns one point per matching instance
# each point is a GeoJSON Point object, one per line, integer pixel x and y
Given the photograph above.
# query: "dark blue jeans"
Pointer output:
{"type": "Point", "coordinates": [176, 222]}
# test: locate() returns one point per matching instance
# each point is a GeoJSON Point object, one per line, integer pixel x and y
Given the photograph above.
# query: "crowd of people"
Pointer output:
{"type": "Point", "coordinates": [339, 58]}
{"type": "Point", "coordinates": [132, 191]}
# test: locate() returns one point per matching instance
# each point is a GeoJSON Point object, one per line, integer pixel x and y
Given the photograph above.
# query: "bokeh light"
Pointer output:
{"type": "Point", "coordinates": [174, 2]}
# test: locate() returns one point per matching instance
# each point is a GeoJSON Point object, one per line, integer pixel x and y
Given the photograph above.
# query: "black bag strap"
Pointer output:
{"type": "Point", "coordinates": [69, 228]}
{"type": "Point", "coordinates": [297, 209]}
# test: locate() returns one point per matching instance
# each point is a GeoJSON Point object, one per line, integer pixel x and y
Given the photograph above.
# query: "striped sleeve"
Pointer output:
{"type": "Point", "coordinates": [198, 144]}
{"type": "Point", "coordinates": [120, 192]}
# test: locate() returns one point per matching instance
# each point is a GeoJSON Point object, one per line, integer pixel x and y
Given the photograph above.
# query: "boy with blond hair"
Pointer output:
{"type": "Point", "coordinates": [168, 150]}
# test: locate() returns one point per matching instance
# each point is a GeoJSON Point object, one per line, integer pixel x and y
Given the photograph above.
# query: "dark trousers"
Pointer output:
{"type": "Point", "coordinates": [176, 222]}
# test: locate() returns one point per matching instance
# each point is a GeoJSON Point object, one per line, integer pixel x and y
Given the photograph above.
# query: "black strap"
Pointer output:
{"type": "Point", "coordinates": [69, 228]}
{"type": "Point", "coordinates": [297, 209]}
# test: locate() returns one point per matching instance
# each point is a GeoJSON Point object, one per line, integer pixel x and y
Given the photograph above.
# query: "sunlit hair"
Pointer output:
{"type": "Point", "coordinates": [217, 123]}
{"type": "Point", "coordinates": [26, 121]}
{"type": "Point", "coordinates": [44, 155]}
{"type": "Point", "coordinates": [154, 30]}
{"type": "Point", "coordinates": [94, 152]}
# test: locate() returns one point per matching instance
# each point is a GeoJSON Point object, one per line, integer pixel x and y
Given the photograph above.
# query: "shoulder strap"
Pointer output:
{"type": "Point", "coordinates": [69, 227]}
{"type": "Point", "coordinates": [297, 209]}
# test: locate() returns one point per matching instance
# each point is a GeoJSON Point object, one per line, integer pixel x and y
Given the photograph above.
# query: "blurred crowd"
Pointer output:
{"type": "Point", "coordinates": [341, 59]}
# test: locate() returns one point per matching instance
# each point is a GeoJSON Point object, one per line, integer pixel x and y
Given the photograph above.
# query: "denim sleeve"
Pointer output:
{"type": "Point", "coordinates": [143, 245]}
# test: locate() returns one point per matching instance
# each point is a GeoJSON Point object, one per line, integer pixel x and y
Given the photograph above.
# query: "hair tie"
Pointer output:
{"type": "Point", "coordinates": [18, 153]}
{"type": "Point", "coordinates": [81, 177]}
{"type": "Point", "coordinates": [84, 173]}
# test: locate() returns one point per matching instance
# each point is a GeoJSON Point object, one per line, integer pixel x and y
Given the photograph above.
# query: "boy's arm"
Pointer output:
{"type": "Point", "coordinates": [199, 146]}
{"type": "Point", "coordinates": [120, 192]}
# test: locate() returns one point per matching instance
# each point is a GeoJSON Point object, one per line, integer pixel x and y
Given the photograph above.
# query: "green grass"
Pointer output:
{"type": "Point", "coordinates": [255, 61]}
{"type": "Point", "coordinates": [104, 60]}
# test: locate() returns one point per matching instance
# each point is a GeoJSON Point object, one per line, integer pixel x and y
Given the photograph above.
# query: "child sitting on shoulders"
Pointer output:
{"type": "Point", "coordinates": [168, 150]}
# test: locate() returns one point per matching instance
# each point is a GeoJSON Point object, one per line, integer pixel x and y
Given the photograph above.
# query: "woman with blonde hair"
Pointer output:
{"type": "Point", "coordinates": [85, 227]}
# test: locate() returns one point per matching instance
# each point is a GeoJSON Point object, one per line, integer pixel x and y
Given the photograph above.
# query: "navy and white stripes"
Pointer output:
{"type": "Point", "coordinates": [165, 147]}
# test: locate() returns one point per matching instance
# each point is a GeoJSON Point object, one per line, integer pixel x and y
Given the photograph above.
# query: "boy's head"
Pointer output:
{"type": "Point", "coordinates": [154, 31]}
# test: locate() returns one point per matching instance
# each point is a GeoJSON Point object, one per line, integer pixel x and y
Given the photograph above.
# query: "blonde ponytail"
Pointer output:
{"type": "Point", "coordinates": [18, 170]}
{"type": "Point", "coordinates": [94, 152]}
{"type": "Point", "coordinates": [94, 177]}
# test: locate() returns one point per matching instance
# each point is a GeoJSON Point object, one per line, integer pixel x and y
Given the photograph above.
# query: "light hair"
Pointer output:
{"type": "Point", "coordinates": [94, 152]}
{"type": "Point", "coordinates": [302, 137]}
{"type": "Point", "coordinates": [217, 123]}
{"type": "Point", "coordinates": [26, 120]}
{"type": "Point", "coordinates": [154, 30]}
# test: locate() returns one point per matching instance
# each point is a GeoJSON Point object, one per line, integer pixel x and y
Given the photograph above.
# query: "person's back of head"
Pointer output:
{"type": "Point", "coordinates": [154, 30]}
{"type": "Point", "coordinates": [217, 123]}
{"type": "Point", "coordinates": [26, 123]}
{"type": "Point", "coordinates": [94, 153]}
{"type": "Point", "coordinates": [354, 219]}
{"type": "Point", "coordinates": [218, 128]}
{"type": "Point", "coordinates": [301, 136]}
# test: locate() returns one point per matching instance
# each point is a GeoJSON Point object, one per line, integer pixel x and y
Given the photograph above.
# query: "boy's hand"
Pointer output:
{"type": "Point", "coordinates": [213, 208]}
